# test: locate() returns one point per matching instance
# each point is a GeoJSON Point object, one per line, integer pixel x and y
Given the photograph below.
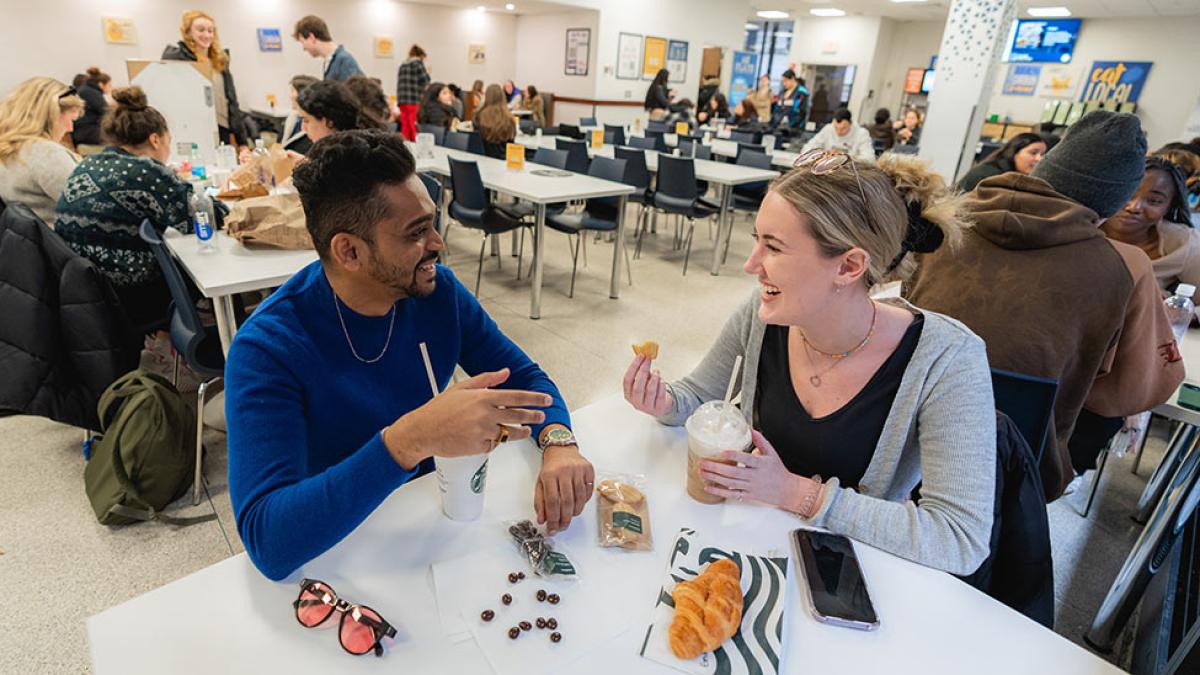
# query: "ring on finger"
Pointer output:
{"type": "Point", "coordinates": [502, 436]}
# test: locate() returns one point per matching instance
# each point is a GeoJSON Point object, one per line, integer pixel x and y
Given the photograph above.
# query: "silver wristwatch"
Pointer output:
{"type": "Point", "coordinates": [557, 437]}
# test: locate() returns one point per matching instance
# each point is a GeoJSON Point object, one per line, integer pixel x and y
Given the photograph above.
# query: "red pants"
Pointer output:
{"type": "Point", "coordinates": [408, 121]}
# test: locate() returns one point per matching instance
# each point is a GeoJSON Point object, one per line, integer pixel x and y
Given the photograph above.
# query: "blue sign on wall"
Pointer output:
{"type": "Point", "coordinates": [1115, 81]}
{"type": "Point", "coordinates": [269, 40]}
{"type": "Point", "coordinates": [745, 66]}
{"type": "Point", "coordinates": [1022, 79]}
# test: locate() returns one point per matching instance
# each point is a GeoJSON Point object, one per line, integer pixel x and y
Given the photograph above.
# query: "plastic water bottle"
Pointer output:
{"type": "Point", "coordinates": [197, 164]}
{"type": "Point", "coordinates": [201, 208]}
{"type": "Point", "coordinates": [265, 175]}
{"type": "Point", "coordinates": [1179, 309]}
{"type": "Point", "coordinates": [204, 233]}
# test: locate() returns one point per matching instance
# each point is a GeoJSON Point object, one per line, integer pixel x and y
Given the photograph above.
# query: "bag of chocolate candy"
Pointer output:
{"type": "Point", "coordinates": [623, 512]}
{"type": "Point", "coordinates": [546, 559]}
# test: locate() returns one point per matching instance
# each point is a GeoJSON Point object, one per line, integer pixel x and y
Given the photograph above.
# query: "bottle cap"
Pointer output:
{"type": "Point", "coordinates": [1186, 290]}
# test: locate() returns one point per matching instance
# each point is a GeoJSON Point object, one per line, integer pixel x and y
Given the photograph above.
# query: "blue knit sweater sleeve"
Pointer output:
{"type": "Point", "coordinates": [285, 517]}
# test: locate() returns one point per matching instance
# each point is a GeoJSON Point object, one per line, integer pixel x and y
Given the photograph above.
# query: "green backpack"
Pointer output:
{"type": "Point", "coordinates": [145, 457]}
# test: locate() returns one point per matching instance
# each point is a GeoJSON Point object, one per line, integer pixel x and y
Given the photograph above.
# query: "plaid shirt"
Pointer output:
{"type": "Point", "coordinates": [411, 80]}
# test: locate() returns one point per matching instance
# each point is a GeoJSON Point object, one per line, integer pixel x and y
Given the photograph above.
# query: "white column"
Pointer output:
{"type": "Point", "coordinates": [968, 59]}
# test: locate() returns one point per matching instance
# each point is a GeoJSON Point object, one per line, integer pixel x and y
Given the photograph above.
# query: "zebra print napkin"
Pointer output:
{"type": "Point", "coordinates": [757, 647]}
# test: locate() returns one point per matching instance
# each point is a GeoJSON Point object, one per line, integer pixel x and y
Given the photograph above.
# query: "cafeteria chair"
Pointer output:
{"type": "Point", "coordinates": [677, 194]}
{"type": "Point", "coordinates": [556, 159]}
{"type": "Point", "coordinates": [660, 140]}
{"type": "Point", "coordinates": [614, 134]}
{"type": "Point", "coordinates": [660, 127]}
{"type": "Point", "coordinates": [456, 140]}
{"type": "Point", "coordinates": [642, 143]}
{"type": "Point", "coordinates": [637, 175]}
{"type": "Point", "coordinates": [587, 122]}
{"type": "Point", "coordinates": [570, 131]}
{"type": "Point", "coordinates": [471, 207]}
{"type": "Point", "coordinates": [694, 149]}
{"type": "Point", "coordinates": [577, 154]}
{"type": "Point", "coordinates": [750, 147]}
{"type": "Point", "coordinates": [475, 143]}
{"type": "Point", "coordinates": [197, 345]}
{"type": "Point", "coordinates": [1028, 401]}
{"type": "Point", "coordinates": [438, 131]}
{"type": "Point", "coordinates": [742, 136]}
{"type": "Point", "coordinates": [434, 187]}
{"type": "Point", "coordinates": [600, 214]}
{"type": "Point", "coordinates": [748, 197]}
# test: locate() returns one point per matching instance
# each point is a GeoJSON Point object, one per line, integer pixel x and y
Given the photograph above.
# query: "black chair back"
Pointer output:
{"type": "Point", "coordinates": [636, 172]}
{"type": "Point", "coordinates": [659, 138]}
{"type": "Point", "coordinates": [642, 143]}
{"type": "Point", "coordinates": [438, 131]}
{"type": "Point", "coordinates": [676, 182]}
{"type": "Point", "coordinates": [467, 185]}
{"type": "Point", "coordinates": [577, 155]}
{"type": "Point", "coordinates": [553, 158]}
{"type": "Point", "coordinates": [696, 149]}
{"type": "Point", "coordinates": [741, 136]}
{"type": "Point", "coordinates": [614, 170]}
{"type": "Point", "coordinates": [1028, 401]}
{"type": "Point", "coordinates": [660, 127]}
{"type": "Point", "coordinates": [570, 131]}
{"type": "Point", "coordinates": [750, 147]}
{"type": "Point", "coordinates": [456, 140]}
{"type": "Point", "coordinates": [614, 134]}
{"type": "Point", "coordinates": [475, 143]}
{"type": "Point", "coordinates": [587, 121]}
{"type": "Point", "coordinates": [188, 335]}
{"type": "Point", "coordinates": [434, 188]}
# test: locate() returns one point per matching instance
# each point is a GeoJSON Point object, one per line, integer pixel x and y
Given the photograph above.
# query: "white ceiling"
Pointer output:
{"type": "Point", "coordinates": [497, 6]}
{"type": "Point", "coordinates": [937, 9]}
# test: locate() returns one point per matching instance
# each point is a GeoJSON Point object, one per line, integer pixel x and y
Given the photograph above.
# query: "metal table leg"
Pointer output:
{"type": "Point", "coordinates": [726, 192]}
{"type": "Point", "coordinates": [1182, 443]}
{"type": "Point", "coordinates": [614, 284]}
{"type": "Point", "coordinates": [539, 238]}
{"type": "Point", "coordinates": [226, 325]}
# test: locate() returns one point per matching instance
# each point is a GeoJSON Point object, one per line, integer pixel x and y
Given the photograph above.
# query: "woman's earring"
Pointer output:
{"type": "Point", "coordinates": [837, 288]}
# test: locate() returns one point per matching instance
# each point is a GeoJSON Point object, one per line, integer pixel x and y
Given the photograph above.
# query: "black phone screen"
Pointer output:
{"type": "Point", "coordinates": [835, 580]}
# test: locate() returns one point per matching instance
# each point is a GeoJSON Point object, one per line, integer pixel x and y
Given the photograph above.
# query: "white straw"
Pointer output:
{"type": "Point", "coordinates": [737, 363]}
{"type": "Point", "coordinates": [429, 369]}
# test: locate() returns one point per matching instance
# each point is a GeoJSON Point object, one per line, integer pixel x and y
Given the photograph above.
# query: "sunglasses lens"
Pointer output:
{"type": "Point", "coordinates": [313, 607]}
{"type": "Point", "coordinates": [356, 636]}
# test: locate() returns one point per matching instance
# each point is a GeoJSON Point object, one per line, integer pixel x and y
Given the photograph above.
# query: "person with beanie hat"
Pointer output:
{"type": "Point", "coordinates": [1051, 296]}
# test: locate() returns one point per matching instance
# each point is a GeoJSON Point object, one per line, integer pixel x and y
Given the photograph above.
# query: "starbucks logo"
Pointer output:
{"type": "Point", "coordinates": [479, 478]}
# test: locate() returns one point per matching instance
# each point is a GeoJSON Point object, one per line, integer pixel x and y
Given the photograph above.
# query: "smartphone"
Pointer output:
{"type": "Point", "coordinates": [837, 591]}
{"type": "Point", "coordinates": [1189, 396]}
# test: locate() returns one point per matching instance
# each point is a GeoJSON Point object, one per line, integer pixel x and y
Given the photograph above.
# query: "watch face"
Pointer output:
{"type": "Point", "coordinates": [559, 437]}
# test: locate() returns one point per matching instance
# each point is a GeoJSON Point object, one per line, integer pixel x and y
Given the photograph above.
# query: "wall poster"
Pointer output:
{"type": "Point", "coordinates": [677, 55]}
{"type": "Point", "coordinates": [629, 56]}
{"type": "Point", "coordinates": [579, 43]}
{"type": "Point", "coordinates": [654, 57]}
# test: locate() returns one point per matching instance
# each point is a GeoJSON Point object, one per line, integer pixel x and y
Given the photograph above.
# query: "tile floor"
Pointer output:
{"type": "Point", "coordinates": [58, 566]}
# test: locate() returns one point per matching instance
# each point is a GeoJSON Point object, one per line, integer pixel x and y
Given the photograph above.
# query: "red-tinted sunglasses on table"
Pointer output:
{"type": "Point", "coordinates": [360, 630]}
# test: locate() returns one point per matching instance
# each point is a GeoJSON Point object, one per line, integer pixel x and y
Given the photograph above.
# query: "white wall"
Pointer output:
{"type": "Point", "coordinates": [912, 45]}
{"type": "Point", "coordinates": [1170, 90]}
{"type": "Point", "coordinates": [63, 37]}
{"type": "Point", "coordinates": [541, 51]}
{"type": "Point", "coordinates": [842, 41]}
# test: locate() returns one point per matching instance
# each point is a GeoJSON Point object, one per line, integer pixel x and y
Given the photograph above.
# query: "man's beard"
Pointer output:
{"type": "Point", "coordinates": [398, 279]}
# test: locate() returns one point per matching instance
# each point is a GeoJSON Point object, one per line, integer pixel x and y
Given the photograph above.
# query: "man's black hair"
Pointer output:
{"type": "Point", "coordinates": [339, 183]}
{"type": "Point", "coordinates": [842, 114]}
{"type": "Point", "coordinates": [332, 101]}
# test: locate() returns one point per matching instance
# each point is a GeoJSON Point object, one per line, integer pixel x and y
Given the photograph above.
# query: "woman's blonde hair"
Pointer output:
{"type": "Point", "coordinates": [908, 209]}
{"type": "Point", "coordinates": [216, 55]}
{"type": "Point", "coordinates": [30, 112]}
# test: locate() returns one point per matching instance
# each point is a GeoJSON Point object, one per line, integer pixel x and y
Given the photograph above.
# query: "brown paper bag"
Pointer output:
{"type": "Point", "coordinates": [274, 220]}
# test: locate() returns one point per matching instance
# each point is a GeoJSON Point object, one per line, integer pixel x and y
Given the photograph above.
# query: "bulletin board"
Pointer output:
{"type": "Point", "coordinates": [579, 44]}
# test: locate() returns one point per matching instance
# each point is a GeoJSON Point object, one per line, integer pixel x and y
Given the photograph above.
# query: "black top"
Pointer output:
{"type": "Point", "coordinates": [842, 443]}
{"type": "Point", "coordinates": [87, 127]}
{"type": "Point", "coordinates": [657, 97]}
{"type": "Point", "coordinates": [982, 171]}
{"type": "Point", "coordinates": [435, 112]}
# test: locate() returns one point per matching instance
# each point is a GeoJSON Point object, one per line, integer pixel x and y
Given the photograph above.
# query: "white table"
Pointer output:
{"type": "Point", "coordinates": [722, 173]}
{"type": "Point", "coordinates": [1189, 347]}
{"type": "Point", "coordinates": [233, 268]}
{"type": "Point", "coordinates": [540, 190]}
{"type": "Point", "coordinates": [228, 618]}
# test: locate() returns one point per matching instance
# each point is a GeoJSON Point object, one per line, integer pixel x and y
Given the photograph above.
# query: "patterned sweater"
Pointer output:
{"type": "Point", "coordinates": [106, 199]}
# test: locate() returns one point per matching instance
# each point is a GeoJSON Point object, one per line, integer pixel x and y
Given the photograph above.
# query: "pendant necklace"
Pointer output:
{"type": "Point", "coordinates": [815, 379]}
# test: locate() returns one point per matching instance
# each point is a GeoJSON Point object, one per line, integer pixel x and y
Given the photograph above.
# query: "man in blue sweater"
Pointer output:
{"type": "Point", "coordinates": [313, 35]}
{"type": "Point", "coordinates": [328, 405]}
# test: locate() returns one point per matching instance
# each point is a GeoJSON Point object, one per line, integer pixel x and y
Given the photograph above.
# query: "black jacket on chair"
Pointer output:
{"type": "Point", "coordinates": [63, 336]}
{"type": "Point", "coordinates": [1019, 571]}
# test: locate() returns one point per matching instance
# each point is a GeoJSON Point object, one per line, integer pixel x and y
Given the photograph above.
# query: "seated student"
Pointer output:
{"type": "Point", "coordinates": [882, 129]}
{"type": "Point", "coordinates": [658, 96]}
{"type": "Point", "coordinates": [1050, 295]}
{"type": "Point", "coordinates": [199, 42]}
{"type": "Point", "coordinates": [494, 123]}
{"type": "Point", "coordinates": [791, 112]}
{"type": "Point", "coordinates": [294, 138]}
{"type": "Point", "coordinates": [855, 401]}
{"type": "Point", "coordinates": [436, 109]}
{"type": "Point", "coordinates": [908, 130]}
{"type": "Point", "coordinates": [34, 164]}
{"type": "Point", "coordinates": [745, 114]}
{"type": "Point", "coordinates": [109, 195]}
{"type": "Point", "coordinates": [716, 109]}
{"type": "Point", "coordinates": [327, 107]}
{"type": "Point", "coordinates": [1156, 220]}
{"type": "Point", "coordinates": [535, 105]}
{"type": "Point", "coordinates": [94, 91]}
{"type": "Point", "coordinates": [456, 100]}
{"type": "Point", "coordinates": [513, 95]}
{"type": "Point", "coordinates": [315, 39]}
{"type": "Point", "coordinates": [841, 134]}
{"type": "Point", "coordinates": [371, 98]}
{"type": "Point", "coordinates": [310, 455]}
{"type": "Point", "coordinates": [1021, 154]}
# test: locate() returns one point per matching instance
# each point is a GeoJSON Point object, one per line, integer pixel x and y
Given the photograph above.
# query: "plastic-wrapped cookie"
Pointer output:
{"type": "Point", "coordinates": [616, 491]}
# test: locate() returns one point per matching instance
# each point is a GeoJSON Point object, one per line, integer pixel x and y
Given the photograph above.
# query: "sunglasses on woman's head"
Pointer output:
{"type": "Point", "coordinates": [69, 92]}
{"type": "Point", "coordinates": [360, 630]}
{"type": "Point", "coordinates": [824, 162]}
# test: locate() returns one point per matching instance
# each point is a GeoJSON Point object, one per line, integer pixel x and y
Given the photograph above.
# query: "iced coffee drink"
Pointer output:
{"type": "Point", "coordinates": [714, 428]}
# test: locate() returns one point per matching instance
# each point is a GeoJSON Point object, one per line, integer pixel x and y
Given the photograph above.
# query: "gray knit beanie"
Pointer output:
{"type": "Point", "coordinates": [1099, 163]}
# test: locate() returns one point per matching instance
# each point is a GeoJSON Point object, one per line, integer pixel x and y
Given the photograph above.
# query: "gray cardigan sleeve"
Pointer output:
{"type": "Point", "coordinates": [708, 381]}
{"type": "Point", "coordinates": [950, 529]}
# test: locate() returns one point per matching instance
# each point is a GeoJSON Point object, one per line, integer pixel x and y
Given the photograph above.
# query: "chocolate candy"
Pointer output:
{"type": "Point", "coordinates": [520, 576]}
{"type": "Point", "coordinates": [513, 578]}
{"type": "Point", "coordinates": [506, 599]}
{"type": "Point", "coordinates": [552, 598]}
{"type": "Point", "coordinates": [514, 633]}
{"type": "Point", "coordinates": [487, 615]}
{"type": "Point", "coordinates": [525, 625]}
{"type": "Point", "coordinates": [556, 637]}
{"type": "Point", "coordinates": [541, 595]}
{"type": "Point", "coordinates": [541, 623]}
{"type": "Point", "coordinates": [552, 623]}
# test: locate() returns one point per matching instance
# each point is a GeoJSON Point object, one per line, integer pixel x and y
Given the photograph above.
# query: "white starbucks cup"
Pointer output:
{"type": "Point", "coordinates": [713, 428]}
{"type": "Point", "coordinates": [462, 481]}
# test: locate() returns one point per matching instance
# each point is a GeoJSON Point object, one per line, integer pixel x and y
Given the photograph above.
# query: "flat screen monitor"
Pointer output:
{"type": "Point", "coordinates": [913, 79]}
{"type": "Point", "coordinates": [1042, 41]}
{"type": "Point", "coordinates": [927, 81]}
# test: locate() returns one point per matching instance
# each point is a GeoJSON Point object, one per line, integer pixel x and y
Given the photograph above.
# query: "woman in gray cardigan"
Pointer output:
{"type": "Point", "coordinates": [853, 401]}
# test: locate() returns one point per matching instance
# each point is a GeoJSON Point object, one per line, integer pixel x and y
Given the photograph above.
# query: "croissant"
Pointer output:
{"type": "Point", "coordinates": [708, 610]}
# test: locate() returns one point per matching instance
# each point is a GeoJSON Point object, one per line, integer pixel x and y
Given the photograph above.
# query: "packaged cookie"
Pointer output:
{"type": "Point", "coordinates": [623, 512]}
